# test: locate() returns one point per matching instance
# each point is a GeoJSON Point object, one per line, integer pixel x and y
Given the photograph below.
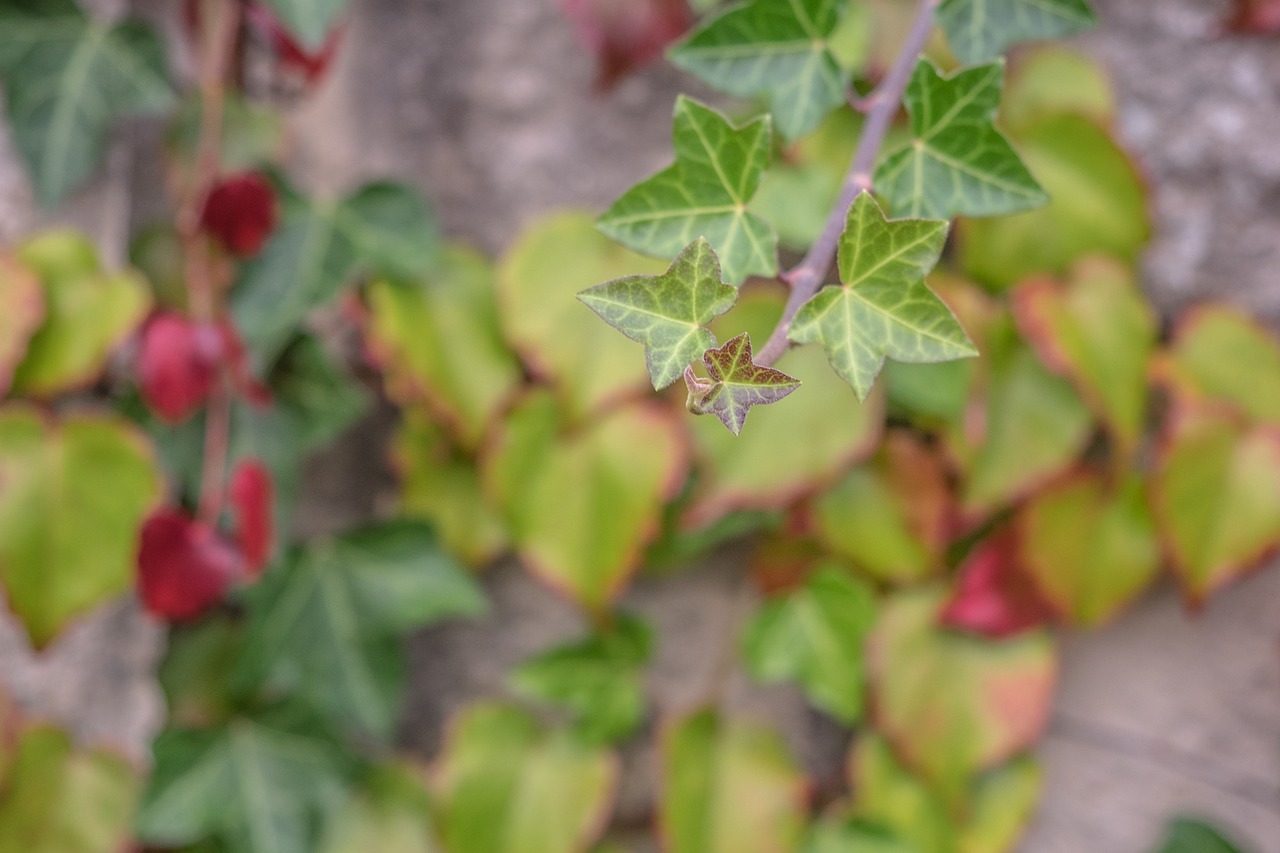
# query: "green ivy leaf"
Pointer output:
{"type": "Point", "coordinates": [581, 505]}
{"type": "Point", "coordinates": [981, 30]}
{"type": "Point", "coordinates": [705, 193]}
{"type": "Point", "coordinates": [957, 162]}
{"type": "Point", "coordinates": [1204, 362]}
{"type": "Point", "coordinates": [1098, 331]}
{"type": "Point", "coordinates": [954, 704]}
{"type": "Point", "coordinates": [667, 313]}
{"type": "Point", "coordinates": [383, 228]}
{"type": "Point", "coordinates": [599, 680]}
{"type": "Point", "coordinates": [309, 20]}
{"type": "Point", "coordinates": [67, 543]}
{"type": "Point", "coordinates": [1216, 497]}
{"type": "Point", "coordinates": [389, 812]}
{"type": "Point", "coordinates": [257, 785]}
{"type": "Point", "coordinates": [883, 308]}
{"type": "Point", "coordinates": [737, 384]}
{"type": "Point", "coordinates": [326, 625]}
{"type": "Point", "coordinates": [1193, 836]}
{"type": "Point", "coordinates": [814, 635]}
{"type": "Point", "coordinates": [23, 299]}
{"type": "Point", "coordinates": [1090, 548]}
{"type": "Point", "coordinates": [66, 79]}
{"type": "Point", "coordinates": [506, 785]}
{"type": "Point", "coordinates": [88, 313]}
{"type": "Point", "coordinates": [61, 800]}
{"type": "Point", "coordinates": [712, 767]}
{"type": "Point", "coordinates": [778, 49]}
{"type": "Point", "coordinates": [438, 342]}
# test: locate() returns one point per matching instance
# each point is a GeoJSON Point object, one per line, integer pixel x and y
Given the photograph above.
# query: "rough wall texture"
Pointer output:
{"type": "Point", "coordinates": [486, 104]}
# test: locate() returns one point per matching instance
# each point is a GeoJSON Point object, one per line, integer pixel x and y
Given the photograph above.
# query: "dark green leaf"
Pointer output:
{"type": "Point", "coordinates": [981, 30]}
{"type": "Point", "coordinates": [1193, 836]}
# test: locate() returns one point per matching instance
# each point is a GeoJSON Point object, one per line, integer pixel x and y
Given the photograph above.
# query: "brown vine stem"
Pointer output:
{"type": "Point", "coordinates": [881, 106]}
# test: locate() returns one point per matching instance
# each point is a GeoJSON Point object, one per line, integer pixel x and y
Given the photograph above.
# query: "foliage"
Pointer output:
{"type": "Point", "coordinates": [973, 432]}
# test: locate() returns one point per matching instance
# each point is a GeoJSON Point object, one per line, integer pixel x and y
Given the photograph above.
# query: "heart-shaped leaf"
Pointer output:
{"type": "Point", "coordinates": [957, 162]}
{"type": "Point", "coordinates": [981, 30]}
{"type": "Point", "coordinates": [66, 543]}
{"type": "Point", "coordinates": [667, 313]}
{"type": "Point", "coordinates": [705, 193]}
{"type": "Point", "coordinates": [777, 49]}
{"type": "Point", "coordinates": [507, 785]}
{"type": "Point", "coordinates": [712, 767]}
{"type": "Point", "coordinates": [883, 308]}
{"type": "Point", "coordinates": [1090, 547]}
{"type": "Point", "coordinates": [952, 704]}
{"type": "Point", "coordinates": [1203, 362]}
{"type": "Point", "coordinates": [67, 78]}
{"type": "Point", "coordinates": [185, 567]}
{"type": "Point", "coordinates": [737, 384]}
{"type": "Point", "coordinates": [994, 596]}
{"type": "Point", "coordinates": [23, 298]}
{"type": "Point", "coordinates": [814, 635]}
{"type": "Point", "coordinates": [1216, 497]}
{"type": "Point", "coordinates": [1054, 80]}
{"type": "Point", "coordinates": [581, 505]}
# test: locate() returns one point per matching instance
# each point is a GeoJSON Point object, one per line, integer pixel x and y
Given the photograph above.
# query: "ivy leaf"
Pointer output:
{"type": "Point", "coordinates": [88, 313]}
{"type": "Point", "coordinates": [256, 785]}
{"type": "Point", "coordinates": [66, 543]}
{"type": "Point", "coordinates": [66, 79]}
{"type": "Point", "coordinates": [1216, 497]}
{"type": "Point", "coordinates": [774, 48]}
{"type": "Point", "coordinates": [1193, 836]}
{"type": "Point", "coordinates": [309, 20]}
{"type": "Point", "coordinates": [23, 299]}
{"type": "Point", "coordinates": [712, 766]}
{"type": "Point", "coordinates": [504, 783]}
{"type": "Point", "coordinates": [737, 384]}
{"type": "Point", "coordinates": [957, 162]}
{"type": "Point", "coordinates": [580, 506]}
{"type": "Point", "coordinates": [667, 313]}
{"type": "Point", "coordinates": [1203, 362]}
{"type": "Point", "coordinates": [599, 680]}
{"type": "Point", "coordinates": [61, 800]}
{"type": "Point", "coordinates": [390, 812]}
{"type": "Point", "coordinates": [954, 705]}
{"type": "Point", "coordinates": [883, 308]}
{"type": "Point", "coordinates": [814, 635]}
{"type": "Point", "coordinates": [326, 624]}
{"type": "Point", "coordinates": [981, 30]}
{"type": "Point", "coordinates": [705, 193]}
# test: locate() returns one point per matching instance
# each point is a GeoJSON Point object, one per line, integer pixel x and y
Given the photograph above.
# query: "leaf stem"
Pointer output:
{"type": "Point", "coordinates": [881, 107]}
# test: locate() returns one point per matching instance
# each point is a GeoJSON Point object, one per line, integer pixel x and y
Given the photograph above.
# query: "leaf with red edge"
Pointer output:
{"type": "Point", "coordinates": [240, 211]}
{"type": "Point", "coordinates": [185, 566]}
{"type": "Point", "coordinates": [23, 303]}
{"type": "Point", "coordinates": [1216, 496]}
{"type": "Point", "coordinates": [994, 596]}
{"type": "Point", "coordinates": [1254, 17]}
{"type": "Point", "coordinates": [625, 35]}
{"type": "Point", "coordinates": [307, 59]}
{"type": "Point", "coordinates": [177, 364]}
{"type": "Point", "coordinates": [954, 704]}
{"type": "Point", "coordinates": [250, 493]}
{"type": "Point", "coordinates": [737, 383]}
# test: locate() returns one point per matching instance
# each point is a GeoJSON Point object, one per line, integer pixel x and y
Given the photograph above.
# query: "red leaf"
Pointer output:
{"type": "Point", "coordinates": [994, 597]}
{"type": "Point", "coordinates": [1256, 17]}
{"type": "Point", "coordinates": [240, 212]}
{"type": "Point", "coordinates": [250, 493]}
{"type": "Point", "coordinates": [626, 34]}
{"type": "Point", "coordinates": [237, 361]}
{"type": "Point", "coordinates": [184, 566]}
{"type": "Point", "coordinates": [177, 365]}
{"type": "Point", "coordinates": [308, 65]}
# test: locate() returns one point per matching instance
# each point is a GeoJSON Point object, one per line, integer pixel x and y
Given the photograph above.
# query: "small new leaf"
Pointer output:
{"type": "Point", "coordinates": [704, 193]}
{"type": "Point", "coordinates": [980, 30]}
{"type": "Point", "coordinates": [737, 384]}
{"type": "Point", "coordinates": [776, 49]}
{"type": "Point", "coordinates": [667, 313]}
{"type": "Point", "coordinates": [883, 309]}
{"type": "Point", "coordinates": [957, 163]}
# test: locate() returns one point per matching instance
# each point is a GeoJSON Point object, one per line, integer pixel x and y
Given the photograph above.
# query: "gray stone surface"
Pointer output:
{"type": "Point", "coordinates": [487, 105]}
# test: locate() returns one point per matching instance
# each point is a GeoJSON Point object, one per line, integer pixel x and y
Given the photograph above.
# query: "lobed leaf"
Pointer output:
{"type": "Point", "coordinates": [981, 30]}
{"type": "Point", "coordinates": [737, 384]}
{"type": "Point", "coordinates": [705, 193]}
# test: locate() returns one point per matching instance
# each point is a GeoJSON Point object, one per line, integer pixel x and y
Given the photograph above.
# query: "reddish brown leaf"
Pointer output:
{"type": "Point", "coordinates": [240, 212]}
{"type": "Point", "coordinates": [305, 64]}
{"type": "Point", "coordinates": [236, 360]}
{"type": "Point", "coordinates": [994, 596]}
{"type": "Point", "coordinates": [626, 34]}
{"type": "Point", "coordinates": [184, 566]}
{"type": "Point", "coordinates": [250, 493]}
{"type": "Point", "coordinates": [177, 365]}
{"type": "Point", "coordinates": [1255, 17]}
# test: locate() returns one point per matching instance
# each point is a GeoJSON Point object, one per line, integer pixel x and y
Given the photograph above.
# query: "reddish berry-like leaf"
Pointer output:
{"type": "Point", "coordinates": [240, 212]}
{"type": "Point", "coordinates": [1255, 17]}
{"type": "Point", "coordinates": [251, 495]}
{"type": "Point", "coordinates": [626, 34]}
{"type": "Point", "coordinates": [306, 64]}
{"type": "Point", "coordinates": [994, 596]}
{"type": "Point", "coordinates": [236, 359]}
{"type": "Point", "coordinates": [177, 365]}
{"type": "Point", "coordinates": [184, 566]}
{"type": "Point", "coordinates": [737, 383]}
